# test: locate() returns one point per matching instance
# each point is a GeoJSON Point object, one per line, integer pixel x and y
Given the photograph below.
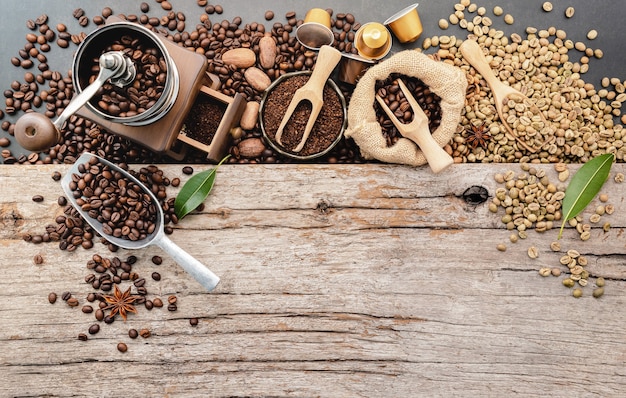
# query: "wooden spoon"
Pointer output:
{"type": "Point", "coordinates": [501, 92]}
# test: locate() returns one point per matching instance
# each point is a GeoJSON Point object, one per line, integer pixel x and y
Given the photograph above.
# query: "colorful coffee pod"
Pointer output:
{"type": "Point", "coordinates": [373, 41]}
{"type": "Point", "coordinates": [316, 30]}
{"type": "Point", "coordinates": [406, 24]}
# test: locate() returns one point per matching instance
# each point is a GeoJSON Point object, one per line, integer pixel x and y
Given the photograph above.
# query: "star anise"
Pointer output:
{"type": "Point", "coordinates": [478, 135]}
{"type": "Point", "coordinates": [120, 303]}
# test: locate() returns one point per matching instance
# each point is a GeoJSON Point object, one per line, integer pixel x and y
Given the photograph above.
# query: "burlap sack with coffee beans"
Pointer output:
{"type": "Point", "coordinates": [445, 80]}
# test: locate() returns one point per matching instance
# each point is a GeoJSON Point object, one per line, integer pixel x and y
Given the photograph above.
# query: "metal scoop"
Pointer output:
{"type": "Point", "coordinates": [501, 92]}
{"type": "Point", "coordinates": [312, 91]}
{"type": "Point", "coordinates": [202, 274]}
{"type": "Point", "coordinates": [36, 132]}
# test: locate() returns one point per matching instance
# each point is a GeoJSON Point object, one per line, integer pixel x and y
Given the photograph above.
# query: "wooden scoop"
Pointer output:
{"type": "Point", "coordinates": [501, 92]}
{"type": "Point", "coordinates": [312, 91]}
{"type": "Point", "coordinates": [418, 132]}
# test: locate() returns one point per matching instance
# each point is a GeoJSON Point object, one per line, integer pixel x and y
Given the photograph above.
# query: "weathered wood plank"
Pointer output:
{"type": "Point", "coordinates": [366, 280]}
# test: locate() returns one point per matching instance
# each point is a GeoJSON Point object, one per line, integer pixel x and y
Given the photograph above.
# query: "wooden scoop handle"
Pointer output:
{"type": "Point", "coordinates": [474, 55]}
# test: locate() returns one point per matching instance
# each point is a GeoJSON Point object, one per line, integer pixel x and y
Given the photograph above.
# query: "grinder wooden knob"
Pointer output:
{"type": "Point", "coordinates": [35, 132]}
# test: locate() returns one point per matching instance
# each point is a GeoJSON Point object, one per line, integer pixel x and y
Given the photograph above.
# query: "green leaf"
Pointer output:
{"type": "Point", "coordinates": [195, 191]}
{"type": "Point", "coordinates": [584, 186]}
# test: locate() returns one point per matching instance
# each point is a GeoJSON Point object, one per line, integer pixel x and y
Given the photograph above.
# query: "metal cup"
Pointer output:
{"type": "Point", "coordinates": [316, 30]}
{"type": "Point", "coordinates": [373, 41]}
{"type": "Point", "coordinates": [352, 67]}
{"type": "Point", "coordinates": [406, 24]}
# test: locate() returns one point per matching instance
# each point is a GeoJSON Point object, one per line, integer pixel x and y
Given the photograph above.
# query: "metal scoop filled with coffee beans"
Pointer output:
{"type": "Point", "coordinates": [124, 211]}
{"type": "Point", "coordinates": [36, 132]}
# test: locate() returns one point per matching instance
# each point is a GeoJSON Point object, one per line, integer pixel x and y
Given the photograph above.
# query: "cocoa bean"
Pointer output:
{"type": "Point", "coordinates": [267, 51]}
{"type": "Point", "coordinates": [250, 116]}
{"type": "Point", "coordinates": [257, 78]}
{"type": "Point", "coordinates": [239, 57]}
{"type": "Point", "coordinates": [251, 147]}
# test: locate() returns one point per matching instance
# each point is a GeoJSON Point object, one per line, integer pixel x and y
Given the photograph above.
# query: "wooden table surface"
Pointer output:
{"type": "Point", "coordinates": [337, 281]}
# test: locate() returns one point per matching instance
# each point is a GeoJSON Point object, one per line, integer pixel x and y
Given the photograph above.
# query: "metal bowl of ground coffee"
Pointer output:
{"type": "Point", "coordinates": [329, 126]}
{"type": "Point", "coordinates": [155, 88]}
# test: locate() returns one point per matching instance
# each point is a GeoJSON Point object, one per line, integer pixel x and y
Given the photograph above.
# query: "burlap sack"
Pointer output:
{"type": "Point", "coordinates": [447, 81]}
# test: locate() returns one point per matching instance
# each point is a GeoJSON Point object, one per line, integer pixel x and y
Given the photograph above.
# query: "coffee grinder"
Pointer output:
{"type": "Point", "coordinates": [182, 76]}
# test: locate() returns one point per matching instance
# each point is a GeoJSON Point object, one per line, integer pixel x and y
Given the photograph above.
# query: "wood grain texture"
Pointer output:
{"type": "Point", "coordinates": [337, 281]}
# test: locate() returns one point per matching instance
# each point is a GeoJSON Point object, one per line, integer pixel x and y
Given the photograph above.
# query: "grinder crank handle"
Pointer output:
{"type": "Point", "coordinates": [36, 132]}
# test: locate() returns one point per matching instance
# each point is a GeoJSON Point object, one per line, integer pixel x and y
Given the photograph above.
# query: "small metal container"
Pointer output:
{"type": "Point", "coordinates": [316, 30]}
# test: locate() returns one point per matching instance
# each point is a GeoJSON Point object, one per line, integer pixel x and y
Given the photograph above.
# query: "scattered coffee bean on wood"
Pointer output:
{"type": "Point", "coordinates": [122, 347]}
{"type": "Point", "coordinates": [52, 298]}
{"type": "Point", "coordinates": [188, 170]}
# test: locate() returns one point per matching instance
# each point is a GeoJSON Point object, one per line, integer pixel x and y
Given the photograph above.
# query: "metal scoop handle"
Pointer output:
{"type": "Point", "coordinates": [195, 268]}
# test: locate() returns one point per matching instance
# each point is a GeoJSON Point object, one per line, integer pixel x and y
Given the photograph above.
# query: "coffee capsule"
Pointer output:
{"type": "Point", "coordinates": [406, 24]}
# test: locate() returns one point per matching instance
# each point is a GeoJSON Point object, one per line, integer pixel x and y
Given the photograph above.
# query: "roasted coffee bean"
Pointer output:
{"type": "Point", "coordinates": [148, 304]}
{"type": "Point", "coordinates": [99, 314]}
{"type": "Point", "coordinates": [172, 307]}
{"type": "Point", "coordinates": [122, 347]}
{"type": "Point", "coordinates": [82, 21]}
{"type": "Point", "coordinates": [38, 259]}
{"type": "Point", "coordinates": [187, 170]}
{"type": "Point", "coordinates": [193, 321]}
{"type": "Point", "coordinates": [133, 333]}
{"type": "Point", "coordinates": [52, 298]}
{"type": "Point", "coordinates": [108, 319]}
{"type": "Point", "coordinates": [42, 19]}
{"type": "Point", "coordinates": [79, 12]}
{"type": "Point", "coordinates": [37, 198]}
{"type": "Point", "coordinates": [144, 7]}
{"type": "Point", "coordinates": [157, 260]}
{"type": "Point", "coordinates": [66, 296]}
{"type": "Point", "coordinates": [157, 302]}
{"type": "Point", "coordinates": [72, 302]}
{"type": "Point", "coordinates": [93, 329]}
{"type": "Point", "coordinates": [82, 337]}
{"type": "Point", "coordinates": [87, 309]}
{"type": "Point", "coordinates": [156, 276]}
{"type": "Point", "coordinates": [145, 333]}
